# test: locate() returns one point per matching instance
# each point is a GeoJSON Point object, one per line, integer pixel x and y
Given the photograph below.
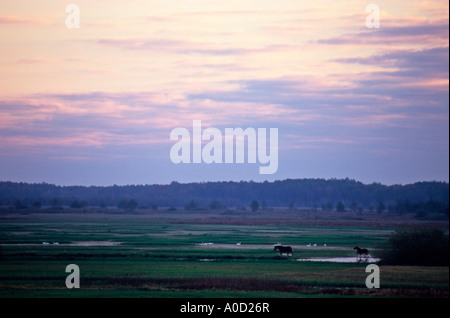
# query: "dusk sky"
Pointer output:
{"type": "Point", "coordinates": [95, 105]}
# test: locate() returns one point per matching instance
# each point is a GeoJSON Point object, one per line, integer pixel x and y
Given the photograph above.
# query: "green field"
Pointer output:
{"type": "Point", "coordinates": [160, 254]}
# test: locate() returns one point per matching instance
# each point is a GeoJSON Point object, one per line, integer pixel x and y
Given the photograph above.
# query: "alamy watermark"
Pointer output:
{"type": "Point", "coordinates": [373, 279]}
{"type": "Point", "coordinates": [73, 280]}
{"type": "Point", "coordinates": [373, 19]}
{"type": "Point", "coordinates": [73, 19]}
{"type": "Point", "coordinates": [226, 148]}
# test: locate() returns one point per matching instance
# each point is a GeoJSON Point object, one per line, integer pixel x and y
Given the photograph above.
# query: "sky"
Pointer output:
{"type": "Point", "coordinates": [96, 105]}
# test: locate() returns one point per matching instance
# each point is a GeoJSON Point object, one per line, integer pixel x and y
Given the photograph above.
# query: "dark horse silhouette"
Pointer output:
{"type": "Point", "coordinates": [361, 252]}
{"type": "Point", "coordinates": [284, 249]}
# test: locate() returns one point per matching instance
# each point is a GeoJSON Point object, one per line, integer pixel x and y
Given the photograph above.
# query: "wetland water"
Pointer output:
{"type": "Point", "coordinates": [340, 260]}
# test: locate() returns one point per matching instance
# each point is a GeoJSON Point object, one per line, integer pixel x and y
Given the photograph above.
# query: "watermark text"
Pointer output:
{"type": "Point", "coordinates": [226, 148]}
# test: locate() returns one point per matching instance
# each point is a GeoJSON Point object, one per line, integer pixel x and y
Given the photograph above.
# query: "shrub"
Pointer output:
{"type": "Point", "coordinates": [76, 204]}
{"type": "Point", "coordinates": [216, 205]}
{"type": "Point", "coordinates": [340, 207]}
{"type": "Point", "coordinates": [192, 205]}
{"type": "Point", "coordinates": [128, 204]}
{"type": "Point", "coordinates": [417, 246]}
{"type": "Point", "coordinates": [254, 205]}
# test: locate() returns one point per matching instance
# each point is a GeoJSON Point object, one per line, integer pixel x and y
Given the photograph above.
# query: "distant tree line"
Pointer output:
{"type": "Point", "coordinates": [334, 194]}
{"type": "Point", "coordinates": [420, 208]}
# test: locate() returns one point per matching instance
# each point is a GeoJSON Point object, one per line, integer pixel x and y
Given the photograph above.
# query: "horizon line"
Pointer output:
{"type": "Point", "coordinates": [222, 181]}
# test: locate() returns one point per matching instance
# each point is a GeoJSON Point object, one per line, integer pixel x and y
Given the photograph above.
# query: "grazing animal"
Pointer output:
{"type": "Point", "coordinates": [284, 249]}
{"type": "Point", "coordinates": [361, 251]}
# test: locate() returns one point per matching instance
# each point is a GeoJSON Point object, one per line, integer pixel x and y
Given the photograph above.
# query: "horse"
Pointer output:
{"type": "Point", "coordinates": [283, 249]}
{"type": "Point", "coordinates": [361, 251]}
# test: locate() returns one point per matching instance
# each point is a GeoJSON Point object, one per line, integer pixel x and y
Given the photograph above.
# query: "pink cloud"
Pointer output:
{"type": "Point", "coordinates": [30, 61]}
{"type": "Point", "coordinates": [12, 19]}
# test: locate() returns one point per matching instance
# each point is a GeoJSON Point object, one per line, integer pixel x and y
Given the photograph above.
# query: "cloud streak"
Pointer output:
{"type": "Point", "coordinates": [17, 20]}
{"type": "Point", "coordinates": [390, 33]}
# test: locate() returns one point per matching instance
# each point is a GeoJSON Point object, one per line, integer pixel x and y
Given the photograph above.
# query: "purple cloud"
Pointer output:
{"type": "Point", "coordinates": [394, 34]}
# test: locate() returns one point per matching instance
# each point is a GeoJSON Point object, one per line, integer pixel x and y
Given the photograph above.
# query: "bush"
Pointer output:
{"type": "Point", "coordinates": [254, 205]}
{"type": "Point", "coordinates": [127, 204]}
{"type": "Point", "coordinates": [19, 205]}
{"type": "Point", "coordinates": [37, 204]}
{"type": "Point", "coordinates": [216, 205]}
{"type": "Point", "coordinates": [192, 205]}
{"type": "Point", "coordinates": [340, 207]}
{"type": "Point", "coordinates": [78, 204]}
{"type": "Point", "coordinates": [417, 246]}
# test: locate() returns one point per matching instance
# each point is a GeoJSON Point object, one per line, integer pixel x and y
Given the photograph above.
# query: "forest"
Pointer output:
{"type": "Point", "coordinates": [333, 194]}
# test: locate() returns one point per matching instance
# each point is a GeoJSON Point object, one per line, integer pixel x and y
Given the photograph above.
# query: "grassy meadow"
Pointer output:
{"type": "Point", "coordinates": [168, 254]}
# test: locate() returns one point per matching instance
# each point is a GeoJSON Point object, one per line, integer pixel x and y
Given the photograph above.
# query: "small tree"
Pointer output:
{"type": "Point", "coordinates": [19, 205]}
{"type": "Point", "coordinates": [127, 204]}
{"type": "Point", "coordinates": [76, 204]}
{"type": "Point", "coordinates": [380, 207]}
{"type": "Point", "coordinates": [254, 205]}
{"type": "Point", "coordinates": [122, 204]}
{"type": "Point", "coordinates": [354, 206]}
{"type": "Point", "coordinates": [215, 205]}
{"type": "Point", "coordinates": [36, 204]}
{"type": "Point", "coordinates": [132, 204]}
{"type": "Point", "coordinates": [192, 205]}
{"type": "Point", "coordinates": [55, 203]}
{"type": "Point", "coordinates": [264, 204]}
{"type": "Point", "coordinates": [340, 207]}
